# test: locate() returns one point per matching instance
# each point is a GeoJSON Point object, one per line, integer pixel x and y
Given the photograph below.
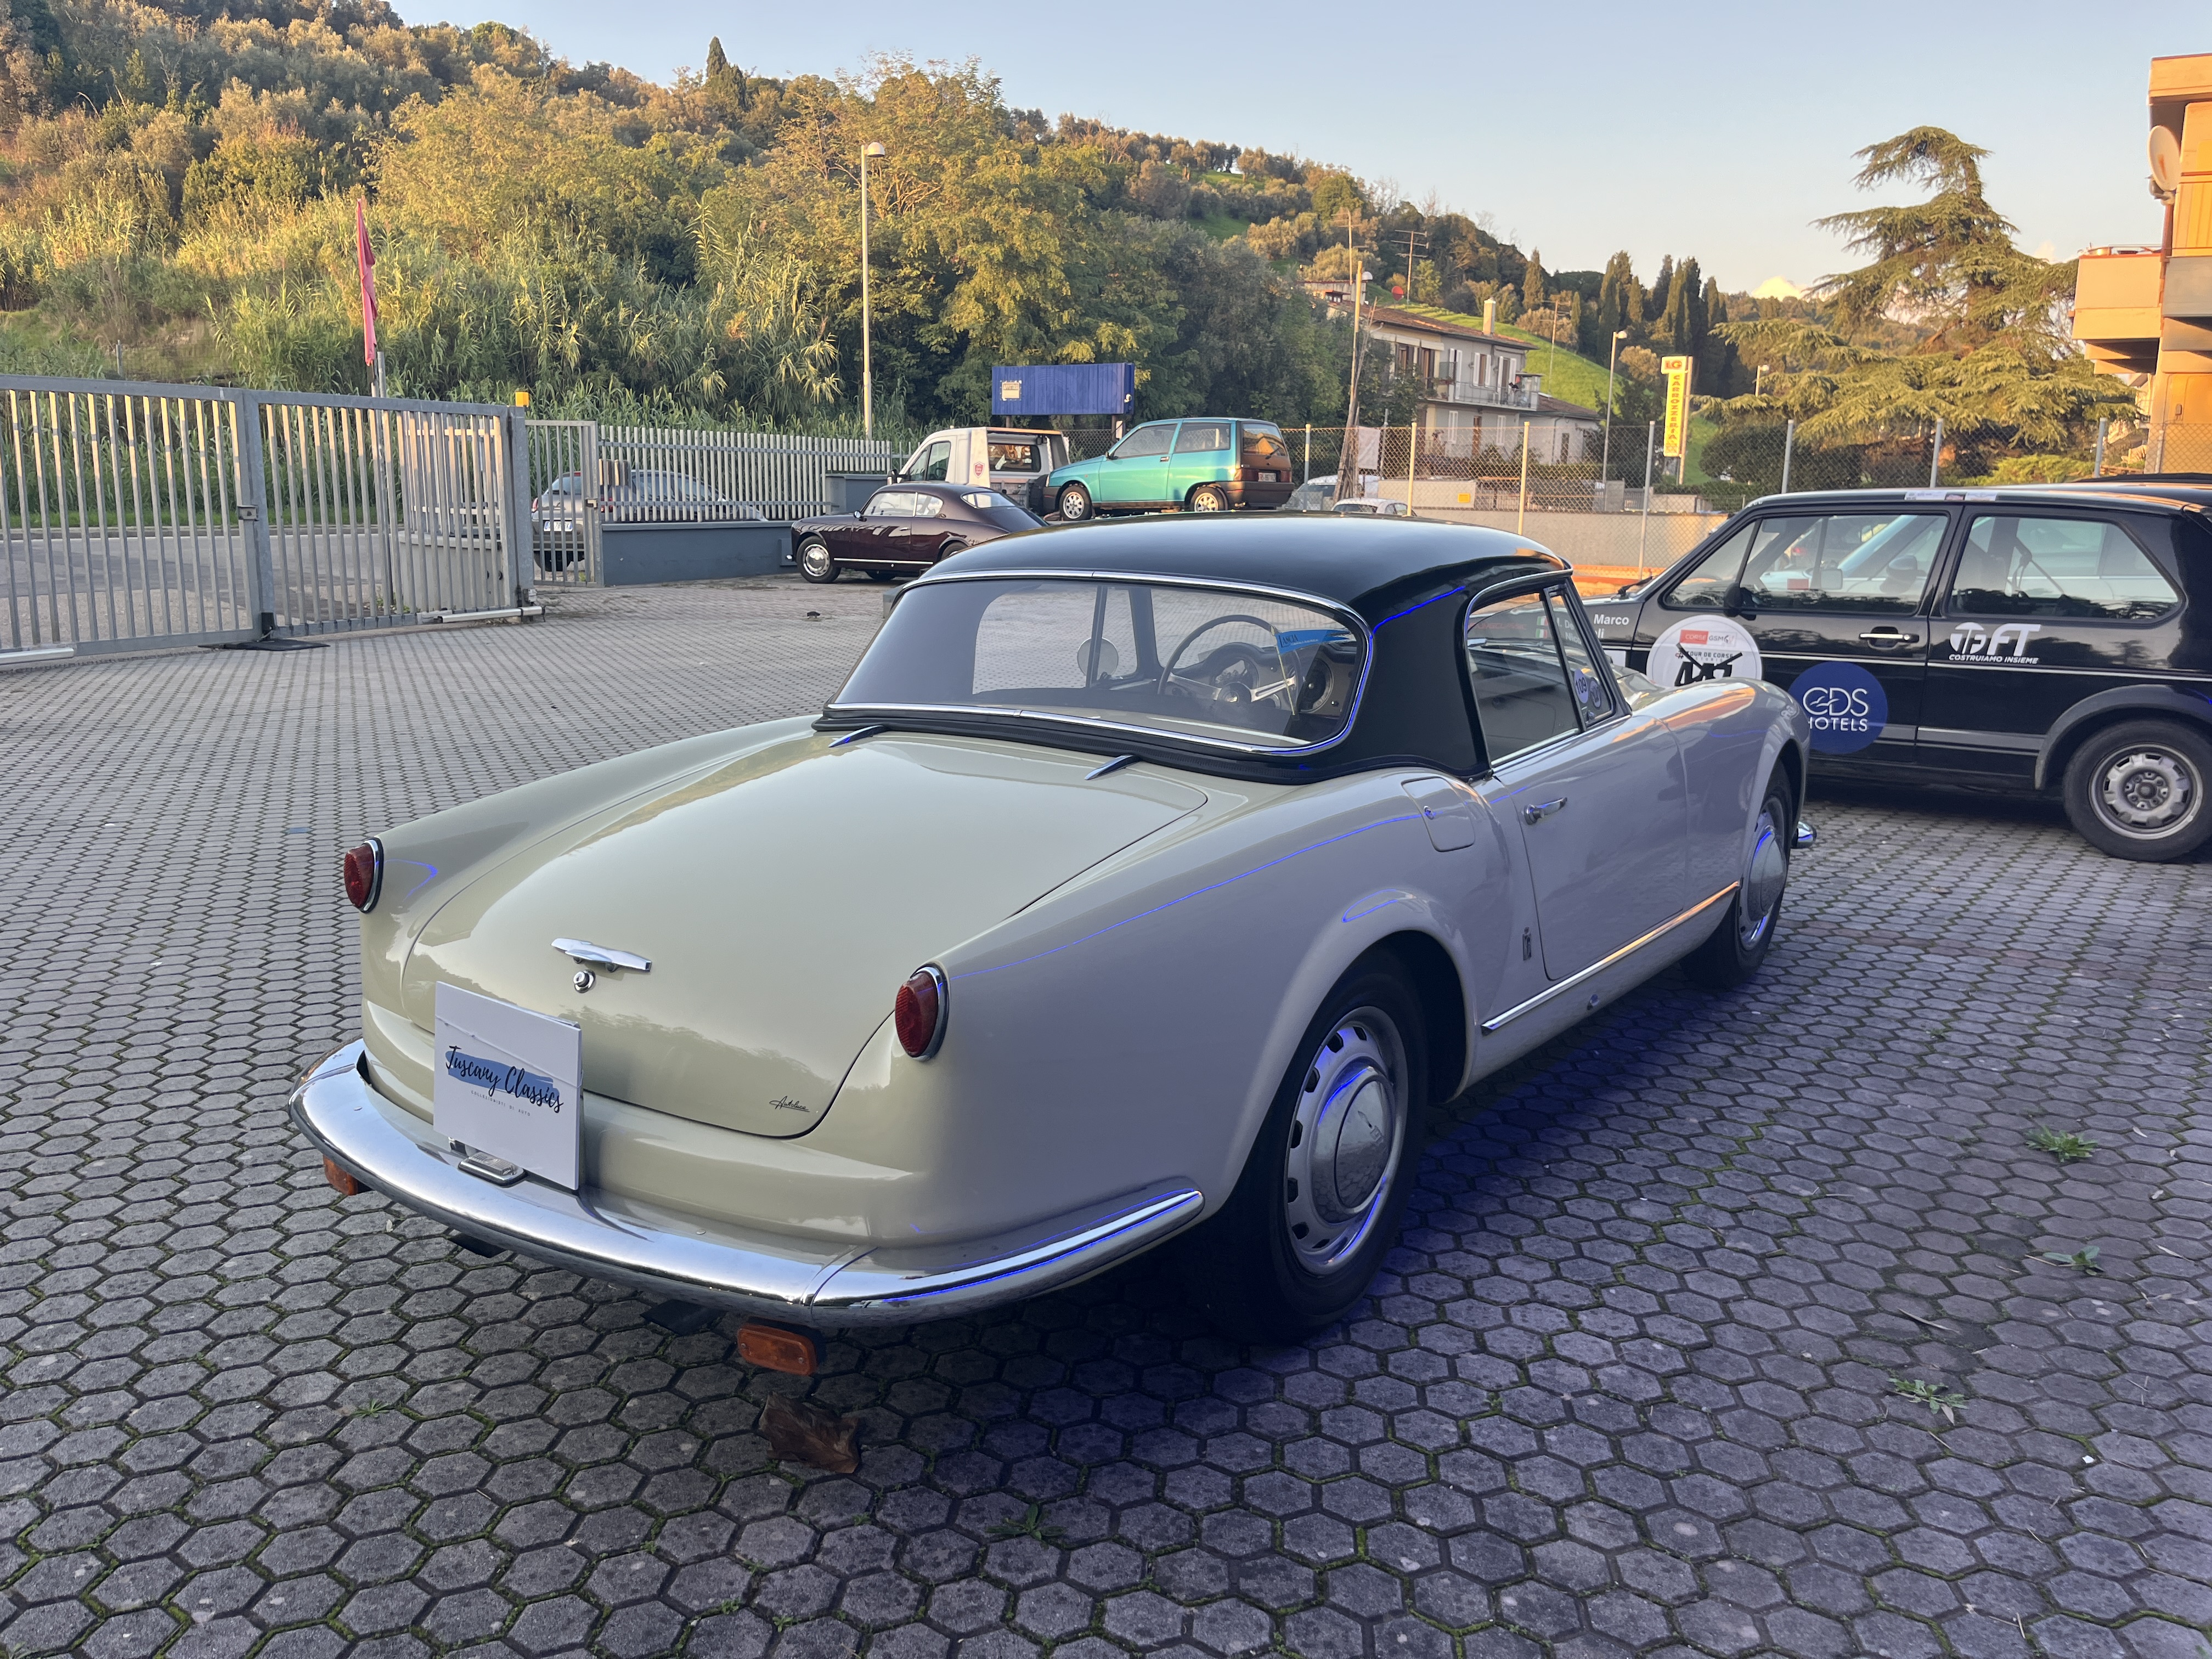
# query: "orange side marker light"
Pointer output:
{"type": "Point", "coordinates": [346, 1185]}
{"type": "Point", "coordinates": [777, 1348]}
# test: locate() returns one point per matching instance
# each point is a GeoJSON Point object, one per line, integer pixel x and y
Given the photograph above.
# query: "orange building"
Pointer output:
{"type": "Point", "coordinates": [2148, 311]}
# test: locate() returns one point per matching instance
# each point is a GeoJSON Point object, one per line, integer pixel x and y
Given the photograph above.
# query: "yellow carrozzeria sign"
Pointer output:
{"type": "Point", "coordinates": [1677, 371]}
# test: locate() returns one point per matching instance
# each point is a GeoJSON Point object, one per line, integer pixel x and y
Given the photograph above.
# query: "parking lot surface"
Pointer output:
{"type": "Point", "coordinates": [1732, 1324]}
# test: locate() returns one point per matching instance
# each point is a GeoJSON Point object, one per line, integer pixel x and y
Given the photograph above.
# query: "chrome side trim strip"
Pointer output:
{"type": "Point", "coordinates": [1604, 963]}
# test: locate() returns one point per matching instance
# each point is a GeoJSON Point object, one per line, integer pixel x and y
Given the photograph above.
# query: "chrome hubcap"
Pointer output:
{"type": "Point", "coordinates": [1347, 1138]}
{"type": "Point", "coordinates": [815, 557]}
{"type": "Point", "coordinates": [1763, 877]}
{"type": "Point", "coordinates": [2147, 791]}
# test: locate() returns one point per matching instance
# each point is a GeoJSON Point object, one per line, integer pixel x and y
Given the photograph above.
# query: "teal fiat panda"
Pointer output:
{"type": "Point", "coordinates": [1203, 465]}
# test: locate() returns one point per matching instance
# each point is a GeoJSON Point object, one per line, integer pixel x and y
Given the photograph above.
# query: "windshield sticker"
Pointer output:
{"type": "Point", "coordinates": [2007, 643]}
{"type": "Point", "coordinates": [1845, 704]}
{"type": "Point", "coordinates": [1695, 651]}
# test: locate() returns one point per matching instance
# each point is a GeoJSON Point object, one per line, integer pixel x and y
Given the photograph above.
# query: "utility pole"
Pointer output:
{"type": "Point", "coordinates": [1935, 452]}
{"type": "Point", "coordinates": [1643, 535]}
{"type": "Point", "coordinates": [867, 365]}
{"type": "Point", "coordinates": [1611, 357]}
{"type": "Point", "coordinates": [1348, 455]}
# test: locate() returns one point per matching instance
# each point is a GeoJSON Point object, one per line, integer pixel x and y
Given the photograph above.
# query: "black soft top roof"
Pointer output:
{"type": "Point", "coordinates": [1371, 567]}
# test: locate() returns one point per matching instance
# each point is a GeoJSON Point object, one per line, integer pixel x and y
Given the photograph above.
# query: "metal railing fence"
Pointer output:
{"type": "Point", "coordinates": [769, 474]}
{"type": "Point", "coordinates": [136, 515]}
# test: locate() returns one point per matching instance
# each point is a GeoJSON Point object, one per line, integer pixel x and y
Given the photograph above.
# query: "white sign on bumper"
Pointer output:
{"type": "Point", "coordinates": [509, 1082]}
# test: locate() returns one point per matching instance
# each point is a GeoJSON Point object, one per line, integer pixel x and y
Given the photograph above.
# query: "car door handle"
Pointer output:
{"type": "Point", "coordinates": [1542, 809]}
{"type": "Point", "coordinates": [1889, 636]}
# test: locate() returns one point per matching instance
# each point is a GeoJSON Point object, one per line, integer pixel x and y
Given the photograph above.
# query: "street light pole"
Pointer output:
{"type": "Point", "coordinates": [867, 364]}
{"type": "Point", "coordinates": [1758, 380]}
{"type": "Point", "coordinates": [1612, 356]}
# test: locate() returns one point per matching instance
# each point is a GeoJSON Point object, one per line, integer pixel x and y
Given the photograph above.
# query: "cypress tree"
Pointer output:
{"type": "Point", "coordinates": [1532, 281]}
{"type": "Point", "coordinates": [718, 64]}
{"type": "Point", "coordinates": [1654, 304]}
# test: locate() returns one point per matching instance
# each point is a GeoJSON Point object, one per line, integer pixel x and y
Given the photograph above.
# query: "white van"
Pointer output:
{"type": "Point", "coordinates": [1010, 460]}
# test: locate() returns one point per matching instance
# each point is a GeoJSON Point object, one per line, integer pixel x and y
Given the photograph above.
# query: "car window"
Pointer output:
{"type": "Point", "coordinates": [1202, 437]}
{"type": "Point", "coordinates": [1856, 561]}
{"type": "Point", "coordinates": [890, 504]}
{"type": "Point", "coordinates": [1218, 664]}
{"type": "Point", "coordinates": [1262, 445]}
{"type": "Point", "coordinates": [2022, 567]}
{"type": "Point", "coordinates": [995, 509]}
{"type": "Point", "coordinates": [1711, 582]}
{"type": "Point", "coordinates": [932, 463]}
{"type": "Point", "coordinates": [1521, 690]}
{"type": "Point", "coordinates": [927, 506]}
{"type": "Point", "coordinates": [1144, 441]}
{"type": "Point", "coordinates": [1016, 455]}
{"type": "Point", "coordinates": [1593, 696]}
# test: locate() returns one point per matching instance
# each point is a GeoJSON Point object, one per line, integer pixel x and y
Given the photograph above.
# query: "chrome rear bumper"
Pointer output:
{"type": "Point", "coordinates": [667, 1253]}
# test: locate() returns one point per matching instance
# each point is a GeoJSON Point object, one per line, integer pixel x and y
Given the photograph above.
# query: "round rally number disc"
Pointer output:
{"type": "Point", "coordinates": [1696, 650]}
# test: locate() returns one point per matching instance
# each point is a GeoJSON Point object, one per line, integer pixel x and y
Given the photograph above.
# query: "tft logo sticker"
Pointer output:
{"type": "Point", "coordinates": [1709, 648]}
{"type": "Point", "coordinates": [2007, 643]}
{"type": "Point", "coordinates": [1846, 705]}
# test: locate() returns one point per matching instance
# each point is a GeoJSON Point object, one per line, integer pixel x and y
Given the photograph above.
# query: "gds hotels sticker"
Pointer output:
{"type": "Point", "coordinates": [1691, 653]}
{"type": "Point", "coordinates": [1844, 703]}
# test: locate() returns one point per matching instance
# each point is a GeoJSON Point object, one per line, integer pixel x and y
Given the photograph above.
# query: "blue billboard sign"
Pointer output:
{"type": "Point", "coordinates": [1064, 389]}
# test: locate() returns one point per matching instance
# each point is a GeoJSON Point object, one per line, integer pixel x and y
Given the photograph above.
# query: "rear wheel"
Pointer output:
{"type": "Point", "coordinates": [1075, 504]}
{"type": "Point", "coordinates": [953, 544]}
{"type": "Point", "coordinates": [815, 562]}
{"type": "Point", "coordinates": [1209, 498]}
{"type": "Point", "coordinates": [2137, 791]}
{"type": "Point", "coordinates": [1739, 943]}
{"type": "Point", "coordinates": [1318, 1204]}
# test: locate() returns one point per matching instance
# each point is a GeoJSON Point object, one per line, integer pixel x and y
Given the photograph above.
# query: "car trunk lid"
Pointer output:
{"type": "Point", "coordinates": [781, 901]}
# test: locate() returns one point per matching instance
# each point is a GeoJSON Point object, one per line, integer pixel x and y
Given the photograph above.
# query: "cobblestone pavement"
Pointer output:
{"type": "Point", "coordinates": [1630, 1384]}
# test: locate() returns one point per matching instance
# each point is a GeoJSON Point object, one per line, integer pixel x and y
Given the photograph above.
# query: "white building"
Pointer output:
{"type": "Point", "coordinates": [1476, 387]}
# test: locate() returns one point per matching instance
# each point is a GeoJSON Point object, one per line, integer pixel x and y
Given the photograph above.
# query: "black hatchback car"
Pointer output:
{"type": "Point", "coordinates": [2048, 638]}
{"type": "Point", "coordinates": [904, 529]}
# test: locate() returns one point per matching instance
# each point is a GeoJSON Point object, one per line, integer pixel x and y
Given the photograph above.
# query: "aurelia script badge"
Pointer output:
{"type": "Point", "coordinates": [1845, 704]}
{"type": "Point", "coordinates": [1695, 651]}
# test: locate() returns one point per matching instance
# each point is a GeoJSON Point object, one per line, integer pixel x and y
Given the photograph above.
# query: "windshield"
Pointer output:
{"type": "Point", "coordinates": [1210, 664]}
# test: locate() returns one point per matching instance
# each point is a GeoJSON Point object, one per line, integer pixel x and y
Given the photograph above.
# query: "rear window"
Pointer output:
{"type": "Point", "coordinates": [999, 511]}
{"type": "Point", "coordinates": [1016, 455]}
{"type": "Point", "coordinates": [1262, 445]}
{"type": "Point", "coordinates": [2022, 567]}
{"type": "Point", "coordinates": [1214, 665]}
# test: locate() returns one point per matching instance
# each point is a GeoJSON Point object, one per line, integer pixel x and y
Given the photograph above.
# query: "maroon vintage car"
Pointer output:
{"type": "Point", "coordinates": [905, 528]}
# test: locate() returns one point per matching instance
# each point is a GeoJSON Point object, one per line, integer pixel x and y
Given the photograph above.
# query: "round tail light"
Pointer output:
{"type": "Point", "coordinates": [364, 874]}
{"type": "Point", "coordinates": [919, 1012]}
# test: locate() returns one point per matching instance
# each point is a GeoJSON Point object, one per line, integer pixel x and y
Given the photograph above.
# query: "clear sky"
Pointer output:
{"type": "Point", "coordinates": [1716, 130]}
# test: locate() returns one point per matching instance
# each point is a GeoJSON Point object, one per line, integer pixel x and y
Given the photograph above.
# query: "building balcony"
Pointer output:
{"type": "Point", "coordinates": [1444, 390]}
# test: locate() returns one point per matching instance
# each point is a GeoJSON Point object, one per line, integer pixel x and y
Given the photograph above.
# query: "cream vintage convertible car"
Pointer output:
{"type": "Point", "coordinates": [1145, 882]}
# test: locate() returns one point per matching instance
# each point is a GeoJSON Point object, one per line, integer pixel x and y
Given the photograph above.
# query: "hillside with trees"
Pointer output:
{"type": "Point", "coordinates": [178, 180]}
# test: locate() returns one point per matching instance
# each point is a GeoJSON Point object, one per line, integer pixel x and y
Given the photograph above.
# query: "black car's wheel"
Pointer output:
{"type": "Point", "coordinates": [1318, 1204]}
{"type": "Point", "coordinates": [1739, 943]}
{"type": "Point", "coordinates": [953, 544]}
{"type": "Point", "coordinates": [2137, 791]}
{"type": "Point", "coordinates": [1074, 503]}
{"type": "Point", "coordinates": [1209, 498]}
{"type": "Point", "coordinates": [815, 562]}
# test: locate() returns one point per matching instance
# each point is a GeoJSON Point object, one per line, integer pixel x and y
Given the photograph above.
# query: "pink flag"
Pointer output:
{"type": "Point", "coordinates": [365, 258]}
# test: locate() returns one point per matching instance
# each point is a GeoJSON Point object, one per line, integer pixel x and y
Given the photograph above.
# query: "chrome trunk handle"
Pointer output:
{"type": "Point", "coordinates": [598, 955]}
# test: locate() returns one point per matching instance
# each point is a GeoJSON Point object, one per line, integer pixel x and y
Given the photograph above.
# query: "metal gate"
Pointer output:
{"type": "Point", "coordinates": [566, 478]}
{"type": "Point", "coordinates": [136, 516]}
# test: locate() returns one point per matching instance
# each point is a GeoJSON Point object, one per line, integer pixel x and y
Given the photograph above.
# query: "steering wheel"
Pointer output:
{"type": "Point", "coordinates": [1247, 653]}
